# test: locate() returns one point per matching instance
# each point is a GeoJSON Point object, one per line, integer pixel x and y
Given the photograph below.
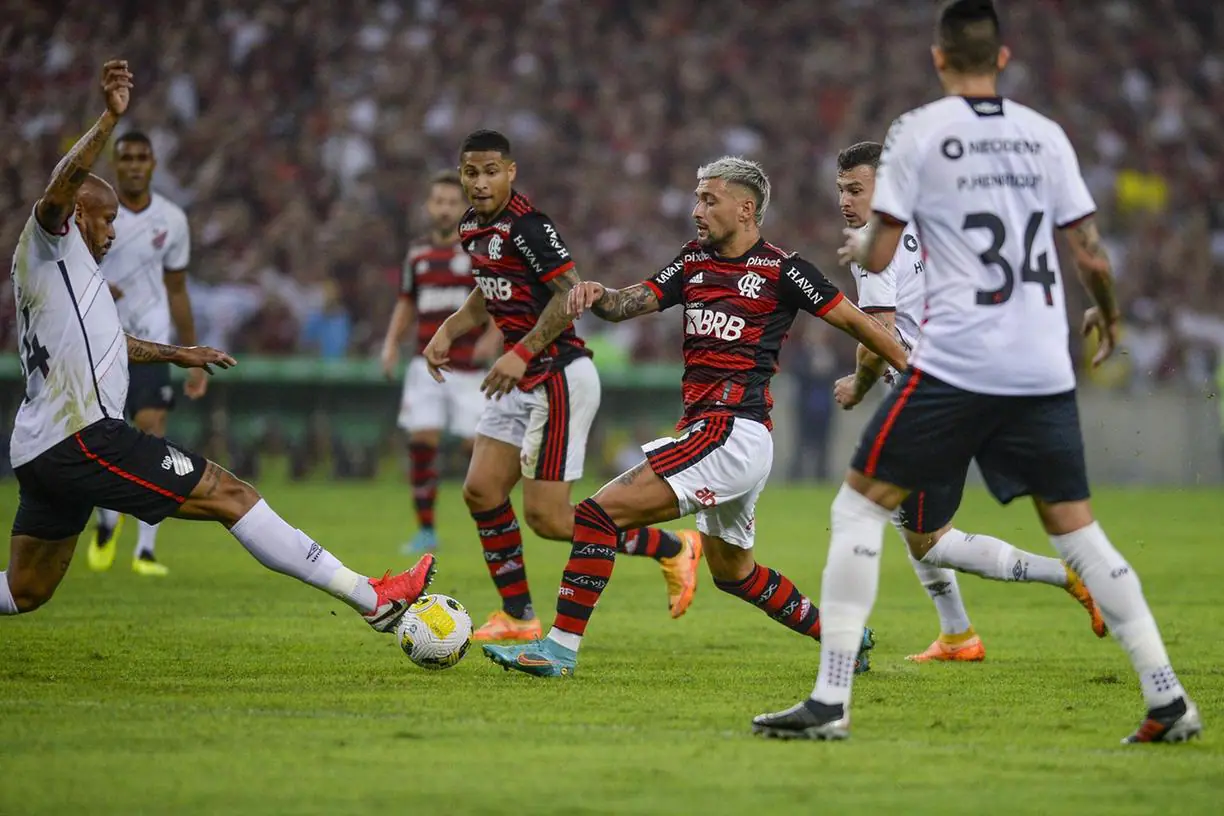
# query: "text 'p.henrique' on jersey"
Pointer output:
{"type": "Point", "coordinates": [987, 181]}
{"type": "Point", "coordinates": [71, 345]}
{"type": "Point", "coordinates": [737, 312]}
{"type": "Point", "coordinates": [514, 256]}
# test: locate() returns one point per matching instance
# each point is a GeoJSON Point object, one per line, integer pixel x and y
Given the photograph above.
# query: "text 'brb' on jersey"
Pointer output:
{"type": "Point", "coordinates": [737, 311]}
{"type": "Point", "coordinates": [437, 280]}
{"type": "Point", "coordinates": [514, 257]}
{"type": "Point", "coordinates": [70, 344]}
{"type": "Point", "coordinates": [987, 181]}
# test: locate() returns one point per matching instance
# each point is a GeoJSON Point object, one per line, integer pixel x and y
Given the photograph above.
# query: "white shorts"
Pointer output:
{"type": "Point", "coordinates": [427, 404]}
{"type": "Point", "coordinates": [549, 424]}
{"type": "Point", "coordinates": [717, 468]}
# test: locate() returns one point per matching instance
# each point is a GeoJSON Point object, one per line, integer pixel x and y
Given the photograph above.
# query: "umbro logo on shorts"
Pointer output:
{"type": "Point", "coordinates": [177, 461]}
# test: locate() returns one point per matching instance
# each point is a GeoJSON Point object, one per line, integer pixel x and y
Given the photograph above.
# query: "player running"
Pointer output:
{"type": "Point", "coordinates": [740, 295]}
{"type": "Point", "coordinates": [924, 520]}
{"type": "Point", "coordinates": [71, 449]}
{"type": "Point", "coordinates": [985, 181]}
{"type": "Point", "coordinates": [146, 269]}
{"type": "Point", "coordinates": [543, 392]}
{"type": "Point", "coordinates": [436, 280]}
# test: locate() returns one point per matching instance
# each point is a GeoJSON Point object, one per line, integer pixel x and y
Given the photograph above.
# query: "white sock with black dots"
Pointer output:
{"type": "Point", "coordinates": [848, 590]}
{"type": "Point", "coordinates": [1119, 595]}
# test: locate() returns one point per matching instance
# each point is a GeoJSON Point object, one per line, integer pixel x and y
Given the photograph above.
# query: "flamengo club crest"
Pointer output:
{"type": "Point", "coordinates": [750, 285]}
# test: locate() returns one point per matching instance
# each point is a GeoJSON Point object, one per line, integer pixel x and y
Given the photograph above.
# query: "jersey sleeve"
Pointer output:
{"type": "Point", "coordinates": [48, 246]}
{"type": "Point", "coordinates": [896, 185]}
{"type": "Point", "coordinates": [537, 240]}
{"type": "Point", "coordinates": [802, 286]}
{"type": "Point", "coordinates": [407, 286]}
{"type": "Point", "coordinates": [668, 283]}
{"type": "Point", "coordinates": [877, 292]}
{"type": "Point", "coordinates": [178, 250]}
{"type": "Point", "coordinates": [1072, 200]}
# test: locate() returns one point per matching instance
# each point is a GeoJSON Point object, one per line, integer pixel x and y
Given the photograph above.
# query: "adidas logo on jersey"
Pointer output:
{"type": "Point", "coordinates": [698, 278]}
{"type": "Point", "coordinates": [177, 461]}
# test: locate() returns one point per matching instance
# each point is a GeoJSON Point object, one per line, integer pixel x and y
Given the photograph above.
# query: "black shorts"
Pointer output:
{"type": "Point", "coordinates": [928, 510]}
{"type": "Point", "coordinates": [926, 432]}
{"type": "Point", "coordinates": [149, 386]}
{"type": "Point", "coordinates": [108, 464]}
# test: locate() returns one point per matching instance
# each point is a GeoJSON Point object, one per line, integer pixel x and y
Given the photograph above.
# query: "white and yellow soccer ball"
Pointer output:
{"type": "Point", "coordinates": [435, 632]}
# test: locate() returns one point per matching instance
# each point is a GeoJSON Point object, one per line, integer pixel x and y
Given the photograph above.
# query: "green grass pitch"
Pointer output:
{"type": "Point", "coordinates": [227, 689]}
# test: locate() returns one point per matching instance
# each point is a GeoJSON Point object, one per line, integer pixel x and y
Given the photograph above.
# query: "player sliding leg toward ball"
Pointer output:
{"type": "Point", "coordinates": [71, 450]}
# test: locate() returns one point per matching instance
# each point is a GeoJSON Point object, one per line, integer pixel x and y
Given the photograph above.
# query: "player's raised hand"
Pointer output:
{"type": "Point", "coordinates": [851, 251]}
{"type": "Point", "coordinates": [204, 358]}
{"type": "Point", "coordinates": [437, 355]}
{"type": "Point", "coordinates": [504, 376]}
{"type": "Point", "coordinates": [1107, 334]}
{"type": "Point", "coordinates": [582, 297]}
{"type": "Point", "coordinates": [117, 86]}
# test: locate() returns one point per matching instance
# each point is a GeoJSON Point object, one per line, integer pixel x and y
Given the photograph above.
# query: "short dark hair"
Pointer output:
{"type": "Point", "coordinates": [969, 35]}
{"type": "Point", "coordinates": [446, 177]}
{"type": "Point", "coordinates": [867, 153]}
{"type": "Point", "coordinates": [135, 136]}
{"type": "Point", "coordinates": [481, 141]}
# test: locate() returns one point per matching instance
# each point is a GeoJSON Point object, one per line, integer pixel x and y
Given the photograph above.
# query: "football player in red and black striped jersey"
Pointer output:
{"type": "Point", "coordinates": [437, 280]}
{"type": "Point", "coordinates": [740, 295]}
{"type": "Point", "coordinates": [543, 392]}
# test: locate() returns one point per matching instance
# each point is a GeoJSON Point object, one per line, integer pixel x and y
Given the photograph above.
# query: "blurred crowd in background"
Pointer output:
{"type": "Point", "coordinates": [298, 136]}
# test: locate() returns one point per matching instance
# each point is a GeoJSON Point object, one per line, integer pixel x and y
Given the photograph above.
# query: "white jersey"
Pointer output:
{"type": "Point", "coordinates": [71, 346]}
{"type": "Point", "coordinates": [147, 245]}
{"type": "Point", "coordinates": [986, 181]}
{"type": "Point", "coordinates": [899, 288]}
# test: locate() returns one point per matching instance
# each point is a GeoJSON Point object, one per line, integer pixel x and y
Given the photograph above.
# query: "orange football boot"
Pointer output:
{"type": "Point", "coordinates": [680, 572]}
{"type": "Point", "coordinates": [965, 648]}
{"type": "Point", "coordinates": [502, 626]}
{"type": "Point", "coordinates": [1077, 590]}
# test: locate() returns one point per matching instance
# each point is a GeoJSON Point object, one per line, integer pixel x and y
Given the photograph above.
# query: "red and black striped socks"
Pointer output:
{"type": "Point", "coordinates": [774, 594]}
{"type": "Point", "coordinates": [503, 553]}
{"type": "Point", "coordinates": [424, 482]}
{"type": "Point", "coordinates": [592, 556]}
{"type": "Point", "coordinates": [650, 542]}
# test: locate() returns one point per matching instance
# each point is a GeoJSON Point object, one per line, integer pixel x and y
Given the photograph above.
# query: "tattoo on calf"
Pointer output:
{"type": "Point", "coordinates": [630, 476]}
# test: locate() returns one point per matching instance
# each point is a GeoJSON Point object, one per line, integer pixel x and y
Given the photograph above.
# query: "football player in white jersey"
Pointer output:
{"type": "Point", "coordinates": [895, 296]}
{"type": "Point", "coordinates": [146, 269]}
{"type": "Point", "coordinates": [71, 449]}
{"type": "Point", "coordinates": [986, 181]}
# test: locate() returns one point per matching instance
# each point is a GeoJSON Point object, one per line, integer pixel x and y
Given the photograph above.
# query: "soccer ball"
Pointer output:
{"type": "Point", "coordinates": [435, 632]}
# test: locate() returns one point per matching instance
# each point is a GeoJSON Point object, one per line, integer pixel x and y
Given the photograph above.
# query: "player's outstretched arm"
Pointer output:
{"type": "Point", "coordinates": [506, 373]}
{"type": "Point", "coordinates": [613, 305]}
{"type": "Point", "coordinates": [868, 331]}
{"type": "Point", "coordinates": [59, 199]}
{"type": "Point", "coordinates": [471, 314]}
{"type": "Point", "coordinates": [1096, 273]}
{"type": "Point", "coordinates": [146, 351]}
{"type": "Point", "coordinates": [850, 390]}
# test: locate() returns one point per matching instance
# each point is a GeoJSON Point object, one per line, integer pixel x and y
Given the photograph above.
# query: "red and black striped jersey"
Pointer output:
{"type": "Point", "coordinates": [514, 256]}
{"type": "Point", "coordinates": [438, 279]}
{"type": "Point", "coordinates": [737, 312]}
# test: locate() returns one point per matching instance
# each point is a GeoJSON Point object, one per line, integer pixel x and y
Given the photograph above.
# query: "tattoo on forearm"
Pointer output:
{"type": "Point", "coordinates": [565, 281]}
{"type": "Point", "coordinates": [622, 304]}
{"type": "Point", "coordinates": [146, 351]}
{"type": "Point", "coordinates": [68, 176]}
{"type": "Point", "coordinates": [549, 325]}
{"type": "Point", "coordinates": [1095, 268]}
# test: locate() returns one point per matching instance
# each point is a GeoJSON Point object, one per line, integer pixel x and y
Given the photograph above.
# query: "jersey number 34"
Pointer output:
{"type": "Point", "coordinates": [1040, 274]}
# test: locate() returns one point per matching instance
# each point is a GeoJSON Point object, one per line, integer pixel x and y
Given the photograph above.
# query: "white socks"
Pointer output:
{"type": "Point", "coordinates": [146, 535]}
{"type": "Point", "coordinates": [995, 559]}
{"type": "Point", "coordinates": [289, 551]}
{"type": "Point", "coordinates": [7, 605]}
{"type": "Point", "coordinates": [108, 518]}
{"type": "Point", "coordinates": [940, 583]}
{"type": "Point", "coordinates": [848, 590]}
{"type": "Point", "coordinates": [567, 639]}
{"type": "Point", "coordinates": [1115, 586]}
